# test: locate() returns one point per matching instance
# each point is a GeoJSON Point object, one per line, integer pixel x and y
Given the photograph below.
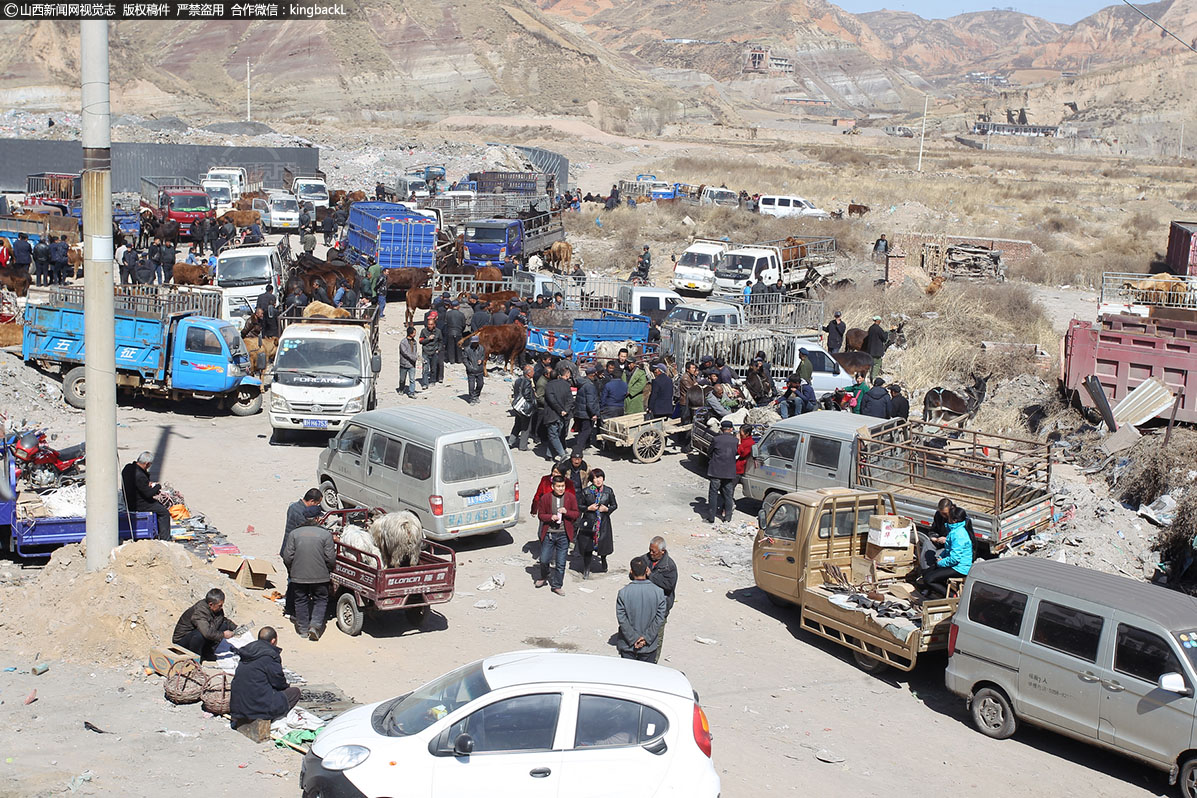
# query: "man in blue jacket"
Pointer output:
{"type": "Point", "coordinates": [586, 410]}
{"type": "Point", "coordinates": [260, 690]}
{"type": "Point", "coordinates": [22, 252]}
{"type": "Point", "coordinates": [58, 259]}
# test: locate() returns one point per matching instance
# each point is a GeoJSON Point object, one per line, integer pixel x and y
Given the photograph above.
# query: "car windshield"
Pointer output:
{"type": "Point", "coordinates": [218, 193]}
{"type": "Point", "coordinates": [284, 204]}
{"type": "Point", "coordinates": [419, 709]}
{"type": "Point", "coordinates": [497, 234]}
{"type": "Point", "coordinates": [736, 267]}
{"type": "Point", "coordinates": [474, 460]}
{"type": "Point", "coordinates": [318, 360]}
{"type": "Point", "coordinates": [722, 196]}
{"type": "Point", "coordinates": [232, 339]}
{"type": "Point", "coordinates": [416, 184]}
{"type": "Point", "coordinates": [313, 192]}
{"type": "Point", "coordinates": [696, 260]}
{"type": "Point", "coordinates": [243, 270]}
{"type": "Point", "coordinates": [685, 315]}
{"type": "Point", "coordinates": [189, 202]}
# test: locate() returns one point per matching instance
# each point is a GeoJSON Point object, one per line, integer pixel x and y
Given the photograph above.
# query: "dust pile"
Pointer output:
{"type": "Point", "coordinates": [30, 398]}
{"type": "Point", "coordinates": [113, 616]}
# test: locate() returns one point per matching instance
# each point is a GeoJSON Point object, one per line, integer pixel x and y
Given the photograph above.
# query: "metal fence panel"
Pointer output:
{"type": "Point", "coordinates": [1156, 290]}
{"type": "Point", "coordinates": [20, 158]}
{"type": "Point", "coordinates": [549, 161]}
{"type": "Point", "coordinates": [780, 312]}
{"type": "Point", "coordinates": [737, 346]}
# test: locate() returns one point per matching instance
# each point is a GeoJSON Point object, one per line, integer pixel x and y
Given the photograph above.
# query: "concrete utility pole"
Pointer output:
{"type": "Point", "coordinates": [923, 137]}
{"type": "Point", "coordinates": [247, 119]}
{"type": "Point", "coordinates": [98, 301]}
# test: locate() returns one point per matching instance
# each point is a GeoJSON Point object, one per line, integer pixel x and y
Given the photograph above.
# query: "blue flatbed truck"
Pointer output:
{"type": "Point", "coordinates": [169, 344]}
{"type": "Point", "coordinates": [488, 242]}
{"type": "Point", "coordinates": [612, 325]}
{"type": "Point", "coordinates": [394, 236]}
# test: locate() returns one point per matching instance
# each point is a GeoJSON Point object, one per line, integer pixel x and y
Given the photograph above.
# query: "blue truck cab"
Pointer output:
{"type": "Point", "coordinates": [612, 325]}
{"type": "Point", "coordinates": [168, 344]}
{"type": "Point", "coordinates": [488, 242]}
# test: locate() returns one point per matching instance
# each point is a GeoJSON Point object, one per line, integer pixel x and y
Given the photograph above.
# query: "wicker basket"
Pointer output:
{"type": "Point", "coordinates": [216, 693]}
{"type": "Point", "coordinates": [185, 682]}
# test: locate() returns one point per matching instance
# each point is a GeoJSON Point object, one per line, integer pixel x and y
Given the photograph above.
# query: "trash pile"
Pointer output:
{"type": "Point", "coordinates": [27, 396]}
{"type": "Point", "coordinates": [116, 614]}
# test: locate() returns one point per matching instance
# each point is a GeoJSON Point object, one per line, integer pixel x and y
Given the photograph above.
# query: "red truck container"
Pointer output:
{"type": "Point", "coordinates": [1123, 351]}
{"type": "Point", "coordinates": [1182, 249]}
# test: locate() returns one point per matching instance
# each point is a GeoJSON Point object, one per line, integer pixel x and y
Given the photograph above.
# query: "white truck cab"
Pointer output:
{"type": "Point", "coordinates": [236, 177]}
{"type": "Point", "coordinates": [743, 265]}
{"type": "Point", "coordinates": [324, 373]}
{"type": "Point", "coordinates": [694, 271]}
{"type": "Point", "coordinates": [310, 189]}
{"type": "Point", "coordinates": [705, 314]}
{"type": "Point", "coordinates": [220, 195]}
{"type": "Point", "coordinates": [242, 274]}
{"type": "Point", "coordinates": [723, 197]}
{"type": "Point", "coordinates": [279, 211]}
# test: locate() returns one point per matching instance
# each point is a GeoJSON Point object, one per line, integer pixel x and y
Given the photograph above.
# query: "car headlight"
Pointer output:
{"type": "Point", "coordinates": [354, 405]}
{"type": "Point", "coordinates": [279, 403]}
{"type": "Point", "coordinates": [344, 757]}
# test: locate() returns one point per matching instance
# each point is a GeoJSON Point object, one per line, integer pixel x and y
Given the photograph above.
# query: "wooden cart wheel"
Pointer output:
{"type": "Point", "coordinates": [648, 446]}
{"type": "Point", "coordinates": [349, 616]}
{"type": "Point", "coordinates": [416, 615]}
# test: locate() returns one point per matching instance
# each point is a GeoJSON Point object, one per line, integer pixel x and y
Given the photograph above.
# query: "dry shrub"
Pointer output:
{"type": "Point", "coordinates": [1155, 470]}
{"type": "Point", "coordinates": [1175, 543]}
{"type": "Point", "coordinates": [10, 334]}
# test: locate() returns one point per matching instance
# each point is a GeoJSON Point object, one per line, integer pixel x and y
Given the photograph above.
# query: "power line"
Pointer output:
{"type": "Point", "coordinates": [1161, 27]}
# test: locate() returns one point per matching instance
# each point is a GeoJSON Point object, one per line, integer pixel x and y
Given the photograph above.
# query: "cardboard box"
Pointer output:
{"type": "Point", "coordinates": [163, 658]}
{"type": "Point", "coordinates": [245, 571]}
{"type": "Point", "coordinates": [898, 562]}
{"type": "Point", "coordinates": [890, 531]}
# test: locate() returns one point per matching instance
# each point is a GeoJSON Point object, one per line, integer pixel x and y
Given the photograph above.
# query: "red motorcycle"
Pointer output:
{"type": "Point", "coordinates": [44, 467]}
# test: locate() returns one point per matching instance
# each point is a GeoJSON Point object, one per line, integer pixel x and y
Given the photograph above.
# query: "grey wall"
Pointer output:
{"type": "Point", "coordinates": [549, 162]}
{"type": "Point", "coordinates": [130, 162]}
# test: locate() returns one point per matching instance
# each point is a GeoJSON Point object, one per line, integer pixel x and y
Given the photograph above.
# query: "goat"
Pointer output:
{"type": "Point", "coordinates": [399, 538]}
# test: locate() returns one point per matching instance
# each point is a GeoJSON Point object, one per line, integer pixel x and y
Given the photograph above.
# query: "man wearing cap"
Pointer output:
{"type": "Point", "coordinates": [454, 326]}
{"type": "Point", "coordinates": [806, 369]}
{"type": "Point", "coordinates": [721, 473]}
{"type": "Point", "coordinates": [474, 357]}
{"type": "Point", "coordinates": [481, 318]}
{"type": "Point", "coordinates": [558, 409]}
{"type": "Point", "coordinates": [876, 342]}
{"type": "Point", "coordinates": [899, 405]}
{"type": "Point", "coordinates": [586, 410]}
{"type": "Point", "coordinates": [430, 349]}
{"type": "Point", "coordinates": [835, 333]}
{"type": "Point", "coordinates": [614, 392]}
{"type": "Point", "coordinates": [660, 393]}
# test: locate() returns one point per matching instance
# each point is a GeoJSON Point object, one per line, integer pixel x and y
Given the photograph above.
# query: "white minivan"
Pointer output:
{"type": "Point", "coordinates": [694, 271]}
{"type": "Point", "coordinates": [789, 206]}
{"type": "Point", "coordinates": [279, 211]}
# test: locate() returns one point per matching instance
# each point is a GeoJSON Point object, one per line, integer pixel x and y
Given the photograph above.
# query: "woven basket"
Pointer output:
{"type": "Point", "coordinates": [216, 693]}
{"type": "Point", "coordinates": [185, 682]}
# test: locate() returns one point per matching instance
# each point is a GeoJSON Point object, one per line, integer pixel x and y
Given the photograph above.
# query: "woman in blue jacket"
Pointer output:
{"type": "Point", "coordinates": [955, 559]}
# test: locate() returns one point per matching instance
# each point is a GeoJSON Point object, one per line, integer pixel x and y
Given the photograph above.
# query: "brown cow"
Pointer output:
{"type": "Point", "coordinates": [857, 364]}
{"type": "Point", "coordinates": [320, 310]}
{"type": "Point", "coordinates": [488, 274]}
{"type": "Point", "coordinates": [244, 204]}
{"type": "Point", "coordinates": [192, 274]}
{"type": "Point", "coordinates": [75, 259]}
{"type": "Point", "coordinates": [559, 255]}
{"type": "Point", "coordinates": [336, 198]}
{"type": "Point", "coordinates": [857, 210]}
{"type": "Point", "coordinates": [356, 196]}
{"type": "Point", "coordinates": [404, 279]}
{"type": "Point", "coordinates": [417, 298]}
{"type": "Point", "coordinates": [15, 280]}
{"type": "Point", "coordinates": [241, 218]}
{"type": "Point", "coordinates": [793, 249]}
{"type": "Point", "coordinates": [854, 339]}
{"type": "Point", "coordinates": [508, 340]}
{"type": "Point", "coordinates": [1156, 288]}
{"type": "Point", "coordinates": [500, 298]}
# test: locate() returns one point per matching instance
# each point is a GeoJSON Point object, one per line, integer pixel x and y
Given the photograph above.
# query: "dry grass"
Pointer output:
{"type": "Point", "coordinates": [1156, 469]}
{"type": "Point", "coordinates": [1175, 543]}
{"type": "Point", "coordinates": [10, 334]}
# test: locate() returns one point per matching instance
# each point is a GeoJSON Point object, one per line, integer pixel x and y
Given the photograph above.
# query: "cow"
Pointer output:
{"type": "Point", "coordinates": [192, 274]}
{"type": "Point", "coordinates": [168, 231]}
{"type": "Point", "coordinates": [417, 298]}
{"type": "Point", "coordinates": [337, 197]}
{"type": "Point", "coordinates": [320, 310]}
{"type": "Point", "coordinates": [404, 279]}
{"type": "Point", "coordinates": [15, 280]}
{"type": "Point", "coordinates": [508, 340]}
{"type": "Point", "coordinates": [857, 210]}
{"type": "Point", "coordinates": [560, 255]}
{"type": "Point", "coordinates": [857, 364]}
{"type": "Point", "coordinates": [499, 298]}
{"type": "Point", "coordinates": [244, 204]}
{"type": "Point", "coordinates": [793, 249]}
{"type": "Point", "coordinates": [488, 274]}
{"type": "Point", "coordinates": [75, 259]}
{"type": "Point", "coordinates": [1156, 289]}
{"type": "Point", "coordinates": [837, 214]}
{"type": "Point", "coordinates": [356, 196]}
{"type": "Point", "coordinates": [936, 284]}
{"type": "Point", "coordinates": [941, 404]}
{"type": "Point", "coordinates": [241, 218]}
{"type": "Point", "coordinates": [854, 339]}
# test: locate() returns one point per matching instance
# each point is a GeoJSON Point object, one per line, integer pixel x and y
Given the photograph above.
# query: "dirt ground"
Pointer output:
{"type": "Point", "coordinates": [776, 696]}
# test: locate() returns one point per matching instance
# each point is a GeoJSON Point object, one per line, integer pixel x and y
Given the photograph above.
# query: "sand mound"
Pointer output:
{"type": "Point", "coordinates": [116, 614]}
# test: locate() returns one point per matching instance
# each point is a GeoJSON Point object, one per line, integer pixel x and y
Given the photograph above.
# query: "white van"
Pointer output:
{"type": "Point", "coordinates": [455, 473]}
{"type": "Point", "coordinates": [694, 271]}
{"type": "Point", "coordinates": [788, 206]}
{"type": "Point", "coordinates": [723, 197]}
{"type": "Point", "coordinates": [279, 211]}
{"type": "Point", "coordinates": [242, 274]}
{"type": "Point", "coordinates": [1097, 657]}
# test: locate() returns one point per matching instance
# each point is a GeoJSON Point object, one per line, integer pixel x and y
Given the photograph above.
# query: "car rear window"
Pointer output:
{"type": "Point", "coordinates": [1068, 630]}
{"type": "Point", "coordinates": [417, 462]}
{"type": "Point", "coordinates": [997, 607]}
{"type": "Point", "coordinates": [477, 459]}
{"type": "Point", "coordinates": [606, 722]}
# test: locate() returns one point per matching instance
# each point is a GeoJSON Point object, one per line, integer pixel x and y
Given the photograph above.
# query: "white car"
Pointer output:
{"type": "Point", "coordinates": [528, 724]}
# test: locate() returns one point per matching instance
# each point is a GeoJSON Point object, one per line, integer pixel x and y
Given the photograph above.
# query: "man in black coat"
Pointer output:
{"type": "Point", "coordinates": [203, 625]}
{"type": "Point", "coordinates": [721, 473]}
{"type": "Point", "coordinates": [835, 330]}
{"type": "Point", "coordinates": [558, 408]}
{"type": "Point", "coordinates": [329, 228]}
{"type": "Point", "coordinates": [140, 493]}
{"type": "Point", "coordinates": [586, 410]}
{"type": "Point", "coordinates": [129, 266]}
{"type": "Point", "coordinates": [167, 255]}
{"type": "Point", "coordinates": [876, 342]}
{"type": "Point", "coordinates": [662, 572]}
{"type": "Point", "coordinates": [899, 405]}
{"type": "Point", "coordinates": [22, 252]}
{"type": "Point", "coordinates": [260, 690]}
{"type": "Point", "coordinates": [41, 262]}
{"type": "Point", "coordinates": [59, 259]}
{"type": "Point", "coordinates": [660, 396]}
{"type": "Point", "coordinates": [875, 402]}
{"type": "Point", "coordinates": [453, 324]}
{"type": "Point", "coordinates": [199, 229]}
{"type": "Point", "coordinates": [431, 346]}
{"type": "Point", "coordinates": [474, 357]}
{"type": "Point", "coordinates": [299, 513]}
{"type": "Point", "coordinates": [482, 317]}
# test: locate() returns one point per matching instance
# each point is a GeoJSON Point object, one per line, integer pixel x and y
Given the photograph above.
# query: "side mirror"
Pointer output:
{"type": "Point", "coordinates": [761, 518]}
{"type": "Point", "coordinates": [376, 363]}
{"type": "Point", "coordinates": [756, 450]}
{"type": "Point", "coordinates": [463, 745]}
{"type": "Point", "coordinates": [1173, 683]}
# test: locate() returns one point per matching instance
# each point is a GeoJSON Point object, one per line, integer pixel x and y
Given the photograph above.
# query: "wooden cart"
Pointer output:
{"type": "Point", "coordinates": [646, 436]}
{"type": "Point", "coordinates": [361, 583]}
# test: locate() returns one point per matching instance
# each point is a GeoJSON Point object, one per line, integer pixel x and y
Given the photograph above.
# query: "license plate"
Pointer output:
{"type": "Point", "coordinates": [315, 423]}
{"type": "Point", "coordinates": [691, 285]}
{"type": "Point", "coordinates": [485, 497]}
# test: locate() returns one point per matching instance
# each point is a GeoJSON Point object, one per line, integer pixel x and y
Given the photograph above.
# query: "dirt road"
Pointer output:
{"type": "Point", "coordinates": [776, 696]}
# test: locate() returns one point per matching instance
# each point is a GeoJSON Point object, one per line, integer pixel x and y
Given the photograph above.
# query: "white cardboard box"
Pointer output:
{"type": "Point", "coordinates": [890, 531]}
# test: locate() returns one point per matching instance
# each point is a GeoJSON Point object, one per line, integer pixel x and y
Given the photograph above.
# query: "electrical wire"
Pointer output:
{"type": "Point", "coordinates": [1161, 27]}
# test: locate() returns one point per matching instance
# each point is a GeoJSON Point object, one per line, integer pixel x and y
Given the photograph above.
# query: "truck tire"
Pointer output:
{"type": "Point", "coordinates": [74, 387]}
{"type": "Point", "coordinates": [247, 402]}
{"type": "Point", "coordinates": [992, 714]}
{"type": "Point", "coordinates": [350, 617]}
{"type": "Point", "coordinates": [416, 615]}
{"type": "Point", "coordinates": [868, 664]}
{"type": "Point", "coordinates": [329, 498]}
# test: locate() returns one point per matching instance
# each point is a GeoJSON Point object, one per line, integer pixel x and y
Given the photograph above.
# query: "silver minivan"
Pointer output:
{"type": "Point", "coordinates": [1098, 657]}
{"type": "Point", "coordinates": [455, 473]}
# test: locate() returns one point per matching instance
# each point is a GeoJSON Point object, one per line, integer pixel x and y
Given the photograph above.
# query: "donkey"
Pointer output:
{"type": "Point", "coordinates": [942, 405]}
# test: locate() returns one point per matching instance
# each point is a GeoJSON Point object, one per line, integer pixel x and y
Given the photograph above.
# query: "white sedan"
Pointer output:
{"type": "Point", "coordinates": [529, 724]}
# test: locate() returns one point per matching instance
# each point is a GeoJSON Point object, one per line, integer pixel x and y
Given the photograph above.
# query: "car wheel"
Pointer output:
{"type": "Point", "coordinates": [992, 714]}
{"type": "Point", "coordinates": [247, 402]}
{"type": "Point", "coordinates": [350, 617]}
{"type": "Point", "coordinates": [1188, 778]}
{"type": "Point", "coordinates": [416, 615]}
{"type": "Point", "coordinates": [74, 387]}
{"type": "Point", "coordinates": [329, 498]}
{"type": "Point", "coordinates": [867, 663]}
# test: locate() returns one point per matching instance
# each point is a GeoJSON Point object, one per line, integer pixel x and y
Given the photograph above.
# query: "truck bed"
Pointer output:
{"type": "Point", "coordinates": [37, 537]}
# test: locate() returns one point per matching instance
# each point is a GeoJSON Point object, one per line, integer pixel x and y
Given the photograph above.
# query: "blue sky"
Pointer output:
{"type": "Point", "coordinates": [1066, 11]}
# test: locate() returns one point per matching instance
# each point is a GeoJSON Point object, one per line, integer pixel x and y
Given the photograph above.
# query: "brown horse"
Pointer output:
{"type": "Point", "coordinates": [941, 405]}
{"type": "Point", "coordinates": [857, 364]}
